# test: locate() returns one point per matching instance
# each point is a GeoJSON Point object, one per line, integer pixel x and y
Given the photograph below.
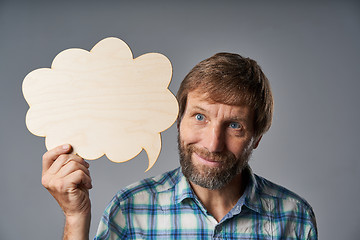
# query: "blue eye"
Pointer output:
{"type": "Point", "coordinates": [234, 125]}
{"type": "Point", "coordinates": [199, 117]}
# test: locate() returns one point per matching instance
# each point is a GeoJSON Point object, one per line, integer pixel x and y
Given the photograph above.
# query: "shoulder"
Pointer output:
{"type": "Point", "coordinates": [149, 186]}
{"type": "Point", "coordinates": [132, 206]}
{"type": "Point", "coordinates": [268, 190]}
{"type": "Point", "coordinates": [282, 204]}
{"type": "Point", "coordinates": [292, 214]}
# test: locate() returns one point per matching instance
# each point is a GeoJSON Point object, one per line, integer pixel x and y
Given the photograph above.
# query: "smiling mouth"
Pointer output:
{"type": "Point", "coordinates": [205, 161]}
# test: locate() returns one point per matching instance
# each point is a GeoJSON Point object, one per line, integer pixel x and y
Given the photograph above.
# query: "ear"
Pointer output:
{"type": "Point", "coordinates": [257, 142]}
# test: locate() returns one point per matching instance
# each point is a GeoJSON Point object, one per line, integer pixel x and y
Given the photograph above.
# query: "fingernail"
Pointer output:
{"type": "Point", "coordinates": [65, 146]}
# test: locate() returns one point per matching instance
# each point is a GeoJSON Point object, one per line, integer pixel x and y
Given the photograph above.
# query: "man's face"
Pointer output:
{"type": "Point", "coordinates": [215, 141]}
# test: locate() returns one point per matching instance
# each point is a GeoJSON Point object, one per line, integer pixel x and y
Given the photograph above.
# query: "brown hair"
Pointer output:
{"type": "Point", "coordinates": [234, 80]}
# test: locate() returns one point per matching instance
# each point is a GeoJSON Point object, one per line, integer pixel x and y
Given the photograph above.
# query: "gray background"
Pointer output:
{"type": "Point", "coordinates": [309, 51]}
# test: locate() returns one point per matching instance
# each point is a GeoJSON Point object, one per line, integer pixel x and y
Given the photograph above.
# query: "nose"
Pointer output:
{"type": "Point", "coordinates": [214, 139]}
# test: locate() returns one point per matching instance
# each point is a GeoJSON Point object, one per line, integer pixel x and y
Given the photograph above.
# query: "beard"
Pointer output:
{"type": "Point", "coordinates": [211, 177]}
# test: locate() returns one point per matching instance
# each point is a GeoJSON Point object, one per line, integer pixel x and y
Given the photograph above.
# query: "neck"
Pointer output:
{"type": "Point", "coordinates": [219, 202]}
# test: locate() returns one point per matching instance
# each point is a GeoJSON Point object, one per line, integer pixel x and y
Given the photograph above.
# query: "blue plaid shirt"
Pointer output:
{"type": "Point", "coordinates": [165, 207]}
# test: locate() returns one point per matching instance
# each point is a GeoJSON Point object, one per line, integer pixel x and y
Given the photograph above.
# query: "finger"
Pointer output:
{"type": "Point", "coordinates": [50, 156]}
{"type": "Point", "coordinates": [69, 183]}
{"type": "Point", "coordinates": [63, 159]}
{"type": "Point", "coordinates": [71, 167]}
{"type": "Point", "coordinates": [78, 178]}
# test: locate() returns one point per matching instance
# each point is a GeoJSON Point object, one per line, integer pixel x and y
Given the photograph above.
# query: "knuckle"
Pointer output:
{"type": "Point", "coordinates": [45, 156]}
{"type": "Point", "coordinates": [59, 185]}
{"type": "Point", "coordinates": [81, 174]}
{"type": "Point", "coordinates": [45, 181]}
{"type": "Point", "coordinates": [73, 164]}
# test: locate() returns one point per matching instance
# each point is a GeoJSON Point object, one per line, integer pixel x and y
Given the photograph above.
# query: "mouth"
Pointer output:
{"type": "Point", "coordinates": [205, 161]}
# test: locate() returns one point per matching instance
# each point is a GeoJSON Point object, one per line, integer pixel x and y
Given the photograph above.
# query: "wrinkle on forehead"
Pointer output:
{"type": "Point", "coordinates": [236, 97]}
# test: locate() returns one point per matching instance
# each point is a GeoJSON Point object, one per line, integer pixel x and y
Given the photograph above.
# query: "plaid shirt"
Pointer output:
{"type": "Point", "coordinates": [165, 207]}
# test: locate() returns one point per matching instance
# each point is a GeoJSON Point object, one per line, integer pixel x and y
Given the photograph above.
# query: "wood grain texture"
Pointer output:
{"type": "Point", "coordinates": [102, 101]}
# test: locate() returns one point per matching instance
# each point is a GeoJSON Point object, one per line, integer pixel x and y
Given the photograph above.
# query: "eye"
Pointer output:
{"type": "Point", "coordinates": [199, 117]}
{"type": "Point", "coordinates": [235, 125]}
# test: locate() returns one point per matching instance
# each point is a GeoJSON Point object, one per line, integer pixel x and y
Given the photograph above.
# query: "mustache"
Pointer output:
{"type": "Point", "coordinates": [215, 157]}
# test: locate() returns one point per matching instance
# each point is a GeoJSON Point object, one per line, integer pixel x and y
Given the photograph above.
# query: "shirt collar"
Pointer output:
{"type": "Point", "coordinates": [183, 189]}
{"type": "Point", "coordinates": [251, 197]}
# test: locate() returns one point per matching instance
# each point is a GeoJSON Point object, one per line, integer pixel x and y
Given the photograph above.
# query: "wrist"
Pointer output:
{"type": "Point", "coordinates": [77, 227]}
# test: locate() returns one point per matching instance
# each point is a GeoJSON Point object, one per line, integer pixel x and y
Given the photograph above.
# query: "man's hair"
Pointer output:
{"type": "Point", "coordinates": [234, 80]}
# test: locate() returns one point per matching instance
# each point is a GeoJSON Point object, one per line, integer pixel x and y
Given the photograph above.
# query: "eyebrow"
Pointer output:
{"type": "Point", "coordinates": [198, 108]}
{"type": "Point", "coordinates": [237, 119]}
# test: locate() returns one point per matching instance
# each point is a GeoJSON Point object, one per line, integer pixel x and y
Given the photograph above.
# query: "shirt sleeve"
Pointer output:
{"type": "Point", "coordinates": [112, 224]}
{"type": "Point", "coordinates": [313, 233]}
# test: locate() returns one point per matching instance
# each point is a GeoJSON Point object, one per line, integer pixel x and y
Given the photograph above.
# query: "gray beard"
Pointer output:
{"type": "Point", "coordinates": [210, 177]}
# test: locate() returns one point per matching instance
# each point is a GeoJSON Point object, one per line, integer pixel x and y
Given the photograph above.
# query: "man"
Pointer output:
{"type": "Point", "coordinates": [225, 107]}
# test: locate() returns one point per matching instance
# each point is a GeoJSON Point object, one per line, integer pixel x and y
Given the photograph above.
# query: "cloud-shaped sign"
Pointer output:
{"type": "Point", "coordinates": [102, 101]}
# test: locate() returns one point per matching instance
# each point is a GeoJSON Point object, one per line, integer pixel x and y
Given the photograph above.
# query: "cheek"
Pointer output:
{"type": "Point", "coordinates": [239, 148]}
{"type": "Point", "coordinates": [188, 135]}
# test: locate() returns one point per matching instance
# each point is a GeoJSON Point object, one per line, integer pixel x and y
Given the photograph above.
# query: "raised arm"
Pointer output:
{"type": "Point", "coordinates": [66, 176]}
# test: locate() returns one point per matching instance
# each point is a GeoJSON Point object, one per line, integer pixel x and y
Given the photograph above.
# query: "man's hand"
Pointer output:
{"type": "Point", "coordinates": [66, 176]}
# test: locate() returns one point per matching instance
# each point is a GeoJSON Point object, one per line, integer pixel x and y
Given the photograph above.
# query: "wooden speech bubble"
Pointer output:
{"type": "Point", "coordinates": [102, 101]}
